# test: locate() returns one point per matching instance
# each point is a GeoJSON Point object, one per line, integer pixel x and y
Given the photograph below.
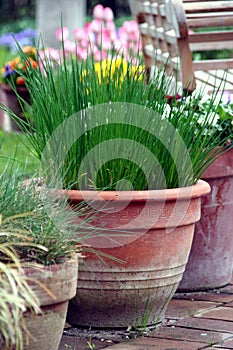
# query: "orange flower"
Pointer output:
{"type": "Point", "coordinates": [29, 51]}
{"type": "Point", "coordinates": [31, 62]}
{"type": "Point", "coordinates": [20, 81]}
{"type": "Point", "coordinates": [15, 68]}
{"type": "Point", "coordinates": [14, 63]}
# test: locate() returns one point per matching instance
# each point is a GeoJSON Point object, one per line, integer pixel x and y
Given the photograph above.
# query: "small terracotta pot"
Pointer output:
{"type": "Point", "coordinates": [211, 256]}
{"type": "Point", "coordinates": [9, 98]}
{"type": "Point", "coordinates": [141, 248]}
{"type": "Point", "coordinates": [61, 281]}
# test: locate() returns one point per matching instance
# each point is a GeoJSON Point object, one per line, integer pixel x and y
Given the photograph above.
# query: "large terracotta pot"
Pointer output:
{"type": "Point", "coordinates": [9, 98]}
{"type": "Point", "coordinates": [211, 256]}
{"type": "Point", "coordinates": [61, 282]}
{"type": "Point", "coordinates": [142, 247]}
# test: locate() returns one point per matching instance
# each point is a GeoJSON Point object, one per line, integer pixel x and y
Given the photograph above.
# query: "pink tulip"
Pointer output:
{"type": "Point", "coordinates": [82, 53]}
{"type": "Point", "coordinates": [134, 26]}
{"type": "Point", "coordinates": [49, 53]}
{"type": "Point", "coordinates": [135, 61]}
{"type": "Point", "coordinates": [110, 25]}
{"type": "Point", "coordinates": [99, 36]}
{"type": "Point", "coordinates": [103, 40]}
{"type": "Point", "coordinates": [113, 35]}
{"type": "Point", "coordinates": [118, 45]}
{"type": "Point", "coordinates": [127, 26]}
{"type": "Point", "coordinates": [137, 46]}
{"type": "Point", "coordinates": [108, 14]}
{"type": "Point", "coordinates": [100, 55]}
{"type": "Point", "coordinates": [123, 35]}
{"type": "Point", "coordinates": [92, 48]}
{"type": "Point", "coordinates": [98, 12]}
{"type": "Point", "coordinates": [87, 27]}
{"type": "Point", "coordinates": [62, 33]}
{"type": "Point", "coordinates": [123, 52]}
{"type": "Point", "coordinates": [84, 43]}
{"type": "Point", "coordinates": [80, 34]}
{"type": "Point", "coordinates": [97, 25]}
{"type": "Point", "coordinates": [69, 46]}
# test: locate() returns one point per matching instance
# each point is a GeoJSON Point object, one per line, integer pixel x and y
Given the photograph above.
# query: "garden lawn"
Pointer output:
{"type": "Point", "coordinates": [5, 56]}
{"type": "Point", "coordinates": [15, 151]}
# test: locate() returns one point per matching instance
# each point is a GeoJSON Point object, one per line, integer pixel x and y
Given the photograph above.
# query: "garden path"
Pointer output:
{"type": "Point", "coordinates": [194, 321]}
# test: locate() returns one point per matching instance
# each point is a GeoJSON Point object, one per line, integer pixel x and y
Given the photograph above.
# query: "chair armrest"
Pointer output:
{"type": "Point", "coordinates": [181, 18]}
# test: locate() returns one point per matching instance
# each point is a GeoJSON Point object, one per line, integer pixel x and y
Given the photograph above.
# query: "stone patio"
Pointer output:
{"type": "Point", "coordinates": [194, 321]}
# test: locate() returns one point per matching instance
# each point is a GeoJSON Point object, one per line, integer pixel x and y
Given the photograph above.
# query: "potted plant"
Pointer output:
{"type": "Point", "coordinates": [210, 260]}
{"type": "Point", "coordinates": [16, 297]}
{"type": "Point", "coordinates": [39, 267]}
{"type": "Point", "coordinates": [109, 139]}
{"type": "Point", "coordinates": [13, 92]}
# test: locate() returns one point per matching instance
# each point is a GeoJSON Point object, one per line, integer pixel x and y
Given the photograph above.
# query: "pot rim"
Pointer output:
{"type": "Point", "coordinates": [199, 189]}
{"type": "Point", "coordinates": [7, 87]}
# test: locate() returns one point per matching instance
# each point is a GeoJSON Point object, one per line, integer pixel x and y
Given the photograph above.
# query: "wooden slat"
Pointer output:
{"type": "Point", "coordinates": [211, 46]}
{"type": "Point", "coordinates": [202, 6]}
{"type": "Point", "coordinates": [211, 36]}
{"type": "Point", "coordinates": [209, 22]}
{"type": "Point", "coordinates": [184, 1]}
{"type": "Point", "coordinates": [209, 14]}
{"type": "Point", "coordinates": [213, 64]}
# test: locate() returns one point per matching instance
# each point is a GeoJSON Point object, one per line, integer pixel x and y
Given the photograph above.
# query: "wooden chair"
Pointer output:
{"type": "Point", "coordinates": [172, 30]}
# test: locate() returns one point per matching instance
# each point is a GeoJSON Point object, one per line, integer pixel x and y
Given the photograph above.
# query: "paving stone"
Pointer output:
{"type": "Point", "coordinates": [75, 343]}
{"type": "Point", "coordinates": [227, 344]}
{"type": "Point", "coordinates": [178, 308]}
{"type": "Point", "coordinates": [157, 344]}
{"type": "Point", "coordinates": [210, 327]}
{"type": "Point", "coordinates": [189, 334]}
{"type": "Point", "coordinates": [206, 296]}
{"type": "Point", "coordinates": [229, 304]}
{"type": "Point", "coordinates": [126, 346]}
{"type": "Point", "coordinates": [219, 313]}
{"type": "Point", "coordinates": [203, 324]}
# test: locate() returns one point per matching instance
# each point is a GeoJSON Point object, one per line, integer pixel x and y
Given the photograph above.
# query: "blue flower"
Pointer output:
{"type": "Point", "coordinates": [8, 71]}
{"type": "Point", "coordinates": [6, 39]}
{"type": "Point", "coordinates": [25, 37]}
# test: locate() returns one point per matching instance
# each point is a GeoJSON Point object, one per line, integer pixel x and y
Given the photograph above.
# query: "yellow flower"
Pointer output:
{"type": "Point", "coordinates": [138, 71]}
{"type": "Point", "coordinates": [14, 63]}
{"type": "Point", "coordinates": [111, 69]}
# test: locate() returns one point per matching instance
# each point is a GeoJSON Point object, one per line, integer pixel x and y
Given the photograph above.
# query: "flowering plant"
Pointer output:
{"type": "Point", "coordinates": [25, 37]}
{"type": "Point", "coordinates": [100, 36]}
{"type": "Point", "coordinates": [218, 111]}
{"type": "Point", "coordinates": [14, 70]}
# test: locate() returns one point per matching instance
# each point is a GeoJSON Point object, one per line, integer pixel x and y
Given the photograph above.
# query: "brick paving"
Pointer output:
{"type": "Point", "coordinates": [194, 321]}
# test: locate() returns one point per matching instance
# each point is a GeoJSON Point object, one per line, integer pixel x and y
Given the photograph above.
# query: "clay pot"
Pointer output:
{"type": "Point", "coordinates": [61, 280]}
{"type": "Point", "coordinates": [10, 99]}
{"type": "Point", "coordinates": [141, 248]}
{"type": "Point", "coordinates": [211, 256]}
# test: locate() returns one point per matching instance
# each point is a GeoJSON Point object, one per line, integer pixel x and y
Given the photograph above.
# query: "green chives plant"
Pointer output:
{"type": "Point", "coordinates": [104, 125]}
